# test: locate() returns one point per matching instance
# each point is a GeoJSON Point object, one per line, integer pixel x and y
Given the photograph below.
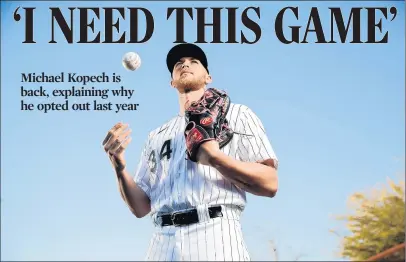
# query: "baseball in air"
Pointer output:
{"type": "Point", "coordinates": [131, 61]}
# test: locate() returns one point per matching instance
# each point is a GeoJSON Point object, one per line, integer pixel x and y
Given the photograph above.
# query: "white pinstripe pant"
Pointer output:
{"type": "Point", "coordinates": [218, 239]}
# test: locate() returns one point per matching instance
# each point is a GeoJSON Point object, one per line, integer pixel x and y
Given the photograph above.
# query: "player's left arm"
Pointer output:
{"type": "Point", "coordinates": [256, 172]}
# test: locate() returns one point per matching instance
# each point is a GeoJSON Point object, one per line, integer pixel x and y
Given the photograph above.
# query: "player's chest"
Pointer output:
{"type": "Point", "coordinates": [167, 151]}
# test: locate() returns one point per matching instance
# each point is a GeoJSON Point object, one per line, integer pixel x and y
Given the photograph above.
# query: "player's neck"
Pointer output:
{"type": "Point", "coordinates": [189, 97]}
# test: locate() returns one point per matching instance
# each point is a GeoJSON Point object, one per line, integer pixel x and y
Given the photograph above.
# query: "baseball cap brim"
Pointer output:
{"type": "Point", "coordinates": [185, 50]}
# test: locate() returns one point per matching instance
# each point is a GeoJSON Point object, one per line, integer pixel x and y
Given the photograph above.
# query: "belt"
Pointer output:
{"type": "Point", "coordinates": [188, 217]}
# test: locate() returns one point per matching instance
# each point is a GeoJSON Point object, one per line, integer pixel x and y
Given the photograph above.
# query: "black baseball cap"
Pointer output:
{"type": "Point", "coordinates": [185, 50]}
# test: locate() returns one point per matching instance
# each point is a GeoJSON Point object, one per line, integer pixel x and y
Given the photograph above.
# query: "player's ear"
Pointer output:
{"type": "Point", "coordinates": [172, 82]}
{"type": "Point", "coordinates": [208, 79]}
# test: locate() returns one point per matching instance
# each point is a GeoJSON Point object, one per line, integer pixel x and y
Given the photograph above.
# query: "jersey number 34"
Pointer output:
{"type": "Point", "coordinates": [165, 151]}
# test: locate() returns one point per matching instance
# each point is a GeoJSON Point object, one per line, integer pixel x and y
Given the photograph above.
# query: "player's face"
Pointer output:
{"type": "Point", "coordinates": [190, 74]}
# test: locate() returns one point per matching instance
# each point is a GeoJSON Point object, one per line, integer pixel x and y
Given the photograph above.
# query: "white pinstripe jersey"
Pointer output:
{"type": "Point", "coordinates": [173, 183]}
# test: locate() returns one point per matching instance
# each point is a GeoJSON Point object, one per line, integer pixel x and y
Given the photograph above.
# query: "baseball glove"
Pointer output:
{"type": "Point", "coordinates": [206, 120]}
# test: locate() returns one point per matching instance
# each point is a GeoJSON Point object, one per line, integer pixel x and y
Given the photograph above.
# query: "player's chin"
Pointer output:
{"type": "Point", "coordinates": [187, 79]}
{"type": "Point", "coordinates": [188, 85]}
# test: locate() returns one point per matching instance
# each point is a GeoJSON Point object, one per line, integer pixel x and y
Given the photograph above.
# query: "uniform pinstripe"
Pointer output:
{"type": "Point", "coordinates": [174, 183]}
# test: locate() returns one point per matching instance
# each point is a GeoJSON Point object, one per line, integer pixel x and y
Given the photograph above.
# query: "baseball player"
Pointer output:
{"type": "Point", "coordinates": [195, 193]}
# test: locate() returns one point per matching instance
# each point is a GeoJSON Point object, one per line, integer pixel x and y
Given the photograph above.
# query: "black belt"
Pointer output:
{"type": "Point", "coordinates": [188, 217]}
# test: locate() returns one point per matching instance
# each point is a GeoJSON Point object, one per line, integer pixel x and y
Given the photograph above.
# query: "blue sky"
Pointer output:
{"type": "Point", "coordinates": [334, 114]}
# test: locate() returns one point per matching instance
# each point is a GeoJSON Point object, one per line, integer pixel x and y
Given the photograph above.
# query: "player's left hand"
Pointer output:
{"type": "Point", "coordinates": [206, 121]}
{"type": "Point", "coordinates": [207, 152]}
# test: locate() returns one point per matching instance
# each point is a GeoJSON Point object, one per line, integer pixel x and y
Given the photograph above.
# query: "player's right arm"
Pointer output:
{"type": "Point", "coordinates": [115, 143]}
{"type": "Point", "coordinates": [136, 199]}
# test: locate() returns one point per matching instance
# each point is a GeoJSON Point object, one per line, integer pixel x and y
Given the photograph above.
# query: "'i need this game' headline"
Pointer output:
{"type": "Point", "coordinates": [292, 24]}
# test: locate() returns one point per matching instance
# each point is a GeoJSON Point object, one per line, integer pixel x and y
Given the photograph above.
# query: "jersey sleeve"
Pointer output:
{"type": "Point", "coordinates": [142, 173]}
{"type": "Point", "coordinates": [254, 144]}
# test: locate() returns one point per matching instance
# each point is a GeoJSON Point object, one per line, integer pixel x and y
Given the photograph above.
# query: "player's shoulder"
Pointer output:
{"type": "Point", "coordinates": [155, 131]}
{"type": "Point", "coordinates": [238, 110]}
{"type": "Point", "coordinates": [242, 116]}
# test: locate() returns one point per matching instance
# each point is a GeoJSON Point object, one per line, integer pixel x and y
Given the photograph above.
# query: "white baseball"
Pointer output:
{"type": "Point", "coordinates": [131, 61]}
